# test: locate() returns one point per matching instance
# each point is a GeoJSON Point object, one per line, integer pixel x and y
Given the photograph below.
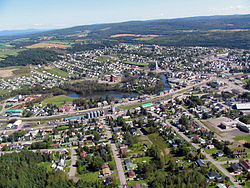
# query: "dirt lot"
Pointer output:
{"type": "Point", "coordinates": [6, 72]}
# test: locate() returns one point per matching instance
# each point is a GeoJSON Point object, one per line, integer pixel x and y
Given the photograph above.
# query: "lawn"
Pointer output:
{"type": "Point", "coordinates": [141, 159]}
{"type": "Point", "coordinates": [139, 182]}
{"type": "Point", "coordinates": [44, 164]}
{"type": "Point", "coordinates": [243, 137]}
{"type": "Point", "coordinates": [138, 148]}
{"type": "Point", "coordinates": [58, 99]}
{"type": "Point", "coordinates": [89, 176]}
{"type": "Point", "coordinates": [210, 151]}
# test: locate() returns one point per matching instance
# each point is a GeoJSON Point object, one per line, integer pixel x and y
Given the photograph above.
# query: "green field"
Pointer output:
{"type": "Point", "coordinates": [8, 51]}
{"type": "Point", "coordinates": [135, 63]}
{"type": "Point", "coordinates": [58, 99]}
{"type": "Point", "coordinates": [243, 137]}
{"type": "Point", "coordinates": [58, 72]}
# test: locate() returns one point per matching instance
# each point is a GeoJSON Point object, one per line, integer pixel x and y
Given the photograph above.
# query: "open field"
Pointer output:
{"type": "Point", "coordinates": [14, 71]}
{"type": "Point", "coordinates": [132, 35]}
{"type": "Point", "coordinates": [58, 99]}
{"type": "Point", "coordinates": [6, 72]}
{"type": "Point", "coordinates": [4, 52]}
{"type": "Point", "coordinates": [135, 63]}
{"type": "Point", "coordinates": [243, 138]}
{"type": "Point", "coordinates": [48, 45]}
{"type": "Point", "coordinates": [57, 72]}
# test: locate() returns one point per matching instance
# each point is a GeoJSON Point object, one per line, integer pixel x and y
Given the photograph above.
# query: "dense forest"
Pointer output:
{"type": "Point", "coordinates": [30, 56]}
{"type": "Point", "coordinates": [22, 170]}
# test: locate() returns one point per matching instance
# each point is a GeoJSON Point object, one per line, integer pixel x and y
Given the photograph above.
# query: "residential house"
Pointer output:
{"type": "Point", "coordinates": [105, 169]}
{"type": "Point", "coordinates": [235, 167]}
{"type": "Point", "coordinates": [245, 165]}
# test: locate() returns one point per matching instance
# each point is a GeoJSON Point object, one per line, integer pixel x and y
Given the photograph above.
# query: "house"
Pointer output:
{"type": "Point", "coordinates": [221, 185]}
{"type": "Point", "coordinates": [245, 165]}
{"type": "Point", "coordinates": [219, 153]}
{"type": "Point", "coordinates": [136, 185]}
{"type": "Point", "coordinates": [83, 154]}
{"type": "Point", "coordinates": [235, 167]}
{"type": "Point", "coordinates": [105, 169]}
{"type": "Point", "coordinates": [214, 175]}
{"type": "Point", "coordinates": [129, 164]}
{"type": "Point", "coordinates": [131, 173]}
{"type": "Point", "coordinates": [200, 162]}
{"type": "Point", "coordinates": [240, 152]}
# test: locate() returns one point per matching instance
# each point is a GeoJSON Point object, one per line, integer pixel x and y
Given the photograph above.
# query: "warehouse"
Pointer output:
{"type": "Point", "coordinates": [243, 106]}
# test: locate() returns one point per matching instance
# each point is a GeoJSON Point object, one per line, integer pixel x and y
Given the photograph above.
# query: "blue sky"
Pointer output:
{"type": "Point", "coordinates": [47, 14]}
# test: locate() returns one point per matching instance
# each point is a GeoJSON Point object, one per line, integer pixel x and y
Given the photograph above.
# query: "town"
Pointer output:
{"type": "Point", "coordinates": [197, 120]}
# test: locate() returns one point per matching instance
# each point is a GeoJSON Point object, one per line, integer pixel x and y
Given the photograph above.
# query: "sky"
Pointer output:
{"type": "Point", "coordinates": [51, 14]}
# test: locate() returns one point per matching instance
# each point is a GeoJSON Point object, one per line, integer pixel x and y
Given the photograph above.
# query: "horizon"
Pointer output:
{"type": "Point", "coordinates": [55, 14]}
{"type": "Point", "coordinates": [29, 29]}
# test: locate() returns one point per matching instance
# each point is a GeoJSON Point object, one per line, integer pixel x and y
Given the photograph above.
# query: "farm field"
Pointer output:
{"type": "Point", "coordinates": [48, 45]}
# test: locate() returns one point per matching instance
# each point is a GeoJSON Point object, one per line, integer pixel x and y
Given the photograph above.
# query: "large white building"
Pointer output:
{"type": "Point", "coordinates": [243, 106]}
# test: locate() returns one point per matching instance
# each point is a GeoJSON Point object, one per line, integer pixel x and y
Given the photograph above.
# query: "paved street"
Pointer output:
{"type": "Point", "coordinates": [73, 168]}
{"type": "Point", "coordinates": [118, 161]}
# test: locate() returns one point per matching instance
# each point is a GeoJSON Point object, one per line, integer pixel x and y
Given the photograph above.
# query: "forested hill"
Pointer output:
{"type": "Point", "coordinates": [216, 31]}
{"type": "Point", "coordinates": [160, 27]}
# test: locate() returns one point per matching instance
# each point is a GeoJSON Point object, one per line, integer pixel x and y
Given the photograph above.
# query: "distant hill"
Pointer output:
{"type": "Point", "coordinates": [20, 32]}
{"type": "Point", "coordinates": [218, 31]}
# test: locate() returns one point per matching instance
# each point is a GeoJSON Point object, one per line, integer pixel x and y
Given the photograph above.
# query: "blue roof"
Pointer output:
{"type": "Point", "coordinates": [75, 117]}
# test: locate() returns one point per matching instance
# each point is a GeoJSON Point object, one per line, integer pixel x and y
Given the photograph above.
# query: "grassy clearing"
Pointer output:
{"type": "Point", "coordinates": [57, 72]}
{"type": "Point", "coordinates": [58, 99]}
{"type": "Point", "coordinates": [89, 177]}
{"type": "Point", "coordinates": [141, 159]}
{"type": "Point", "coordinates": [44, 164]}
{"type": "Point", "coordinates": [243, 137]}
{"type": "Point", "coordinates": [158, 140]}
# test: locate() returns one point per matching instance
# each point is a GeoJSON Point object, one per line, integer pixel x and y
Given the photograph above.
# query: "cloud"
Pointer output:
{"type": "Point", "coordinates": [237, 9]}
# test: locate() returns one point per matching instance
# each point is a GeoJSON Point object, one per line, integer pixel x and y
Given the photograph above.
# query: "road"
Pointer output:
{"type": "Point", "coordinates": [118, 161]}
{"type": "Point", "coordinates": [72, 171]}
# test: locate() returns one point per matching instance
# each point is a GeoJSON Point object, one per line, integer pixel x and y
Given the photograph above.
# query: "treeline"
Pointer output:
{"type": "Point", "coordinates": [31, 56]}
